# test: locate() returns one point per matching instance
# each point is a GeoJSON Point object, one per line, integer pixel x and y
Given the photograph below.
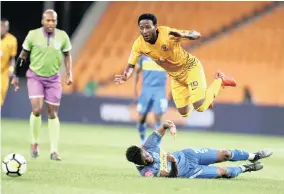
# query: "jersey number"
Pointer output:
{"type": "Point", "coordinates": [193, 85]}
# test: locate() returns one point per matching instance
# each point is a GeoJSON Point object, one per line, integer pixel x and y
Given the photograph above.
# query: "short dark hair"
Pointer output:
{"type": "Point", "coordinates": [148, 16]}
{"type": "Point", "coordinates": [134, 154]}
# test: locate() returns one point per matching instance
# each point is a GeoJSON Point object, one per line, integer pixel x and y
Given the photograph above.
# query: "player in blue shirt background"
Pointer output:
{"type": "Point", "coordinates": [153, 93]}
{"type": "Point", "coordinates": [152, 161]}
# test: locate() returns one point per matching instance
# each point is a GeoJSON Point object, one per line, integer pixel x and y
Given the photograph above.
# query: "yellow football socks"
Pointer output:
{"type": "Point", "coordinates": [35, 124]}
{"type": "Point", "coordinates": [53, 128]}
{"type": "Point", "coordinates": [211, 92]}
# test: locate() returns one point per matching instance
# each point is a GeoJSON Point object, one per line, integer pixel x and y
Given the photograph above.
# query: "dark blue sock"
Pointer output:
{"type": "Point", "coordinates": [142, 131]}
{"type": "Point", "coordinates": [233, 171]}
{"type": "Point", "coordinates": [157, 124]}
{"type": "Point", "coordinates": [238, 155]}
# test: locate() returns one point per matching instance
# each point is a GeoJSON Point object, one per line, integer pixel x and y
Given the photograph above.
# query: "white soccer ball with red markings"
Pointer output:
{"type": "Point", "coordinates": [14, 165]}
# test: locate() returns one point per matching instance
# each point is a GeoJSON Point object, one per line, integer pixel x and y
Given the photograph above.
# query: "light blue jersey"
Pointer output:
{"type": "Point", "coordinates": [187, 161]}
{"type": "Point", "coordinates": [154, 76]}
{"type": "Point", "coordinates": [191, 163]}
{"type": "Point", "coordinates": [153, 94]}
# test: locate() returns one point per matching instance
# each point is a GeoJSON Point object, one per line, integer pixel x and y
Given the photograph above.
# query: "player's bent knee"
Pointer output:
{"type": "Point", "coordinates": [199, 105]}
{"type": "Point", "coordinates": [185, 111]}
{"type": "Point", "coordinates": [185, 115]}
{"type": "Point", "coordinates": [52, 115]}
{"type": "Point", "coordinates": [37, 111]}
{"type": "Point", "coordinates": [224, 155]}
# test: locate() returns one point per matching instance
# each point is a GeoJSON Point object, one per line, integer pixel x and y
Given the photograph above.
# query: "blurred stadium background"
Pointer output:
{"type": "Point", "coordinates": [243, 39]}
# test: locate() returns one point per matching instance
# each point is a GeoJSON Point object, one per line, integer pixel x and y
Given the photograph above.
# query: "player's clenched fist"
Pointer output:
{"type": "Point", "coordinates": [120, 79]}
{"type": "Point", "coordinates": [68, 79]}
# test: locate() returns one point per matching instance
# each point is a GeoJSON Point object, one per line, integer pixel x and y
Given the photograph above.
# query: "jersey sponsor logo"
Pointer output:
{"type": "Point", "coordinates": [57, 44]}
{"type": "Point", "coordinates": [200, 150]}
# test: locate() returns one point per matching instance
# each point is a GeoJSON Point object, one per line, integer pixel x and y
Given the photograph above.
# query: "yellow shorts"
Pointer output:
{"type": "Point", "coordinates": [4, 87]}
{"type": "Point", "coordinates": [191, 86]}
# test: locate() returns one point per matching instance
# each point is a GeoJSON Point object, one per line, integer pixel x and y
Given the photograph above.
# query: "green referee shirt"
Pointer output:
{"type": "Point", "coordinates": [46, 50]}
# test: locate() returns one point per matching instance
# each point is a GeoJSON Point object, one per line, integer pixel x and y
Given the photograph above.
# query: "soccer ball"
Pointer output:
{"type": "Point", "coordinates": [14, 165]}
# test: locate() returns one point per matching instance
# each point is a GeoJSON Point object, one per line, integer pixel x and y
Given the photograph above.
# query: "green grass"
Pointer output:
{"type": "Point", "coordinates": [94, 163]}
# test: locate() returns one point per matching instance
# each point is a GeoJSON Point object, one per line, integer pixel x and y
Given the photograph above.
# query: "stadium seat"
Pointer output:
{"type": "Point", "coordinates": [107, 50]}
{"type": "Point", "coordinates": [259, 65]}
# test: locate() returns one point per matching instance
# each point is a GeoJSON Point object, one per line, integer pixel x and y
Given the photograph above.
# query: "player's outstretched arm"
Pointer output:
{"type": "Point", "coordinates": [191, 35]}
{"type": "Point", "coordinates": [167, 125]}
{"type": "Point", "coordinates": [122, 78]}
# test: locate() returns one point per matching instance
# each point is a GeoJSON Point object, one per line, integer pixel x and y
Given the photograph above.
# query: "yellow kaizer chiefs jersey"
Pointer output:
{"type": "Point", "coordinates": [188, 81]}
{"type": "Point", "coordinates": [168, 54]}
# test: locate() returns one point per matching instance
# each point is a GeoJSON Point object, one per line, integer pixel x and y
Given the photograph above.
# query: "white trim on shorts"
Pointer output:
{"type": "Point", "coordinates": [196, 174]}
{"type": "Point", "coordinates": [39, 96]}
{"type": "Point", "coordinates": [52, 103]}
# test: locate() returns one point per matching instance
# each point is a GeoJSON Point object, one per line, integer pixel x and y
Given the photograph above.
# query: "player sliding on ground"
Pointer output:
{"type": "Point", "coordinates": [152, 161]}
{"type": "Point", "coordinates": [188, 82]}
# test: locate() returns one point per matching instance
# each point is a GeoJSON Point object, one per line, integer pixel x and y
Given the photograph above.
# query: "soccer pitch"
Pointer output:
{"type": "Point", "coordinates": [94, 162]}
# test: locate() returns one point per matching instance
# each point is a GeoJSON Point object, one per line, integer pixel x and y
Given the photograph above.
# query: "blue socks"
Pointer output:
{"type": "Point", "coordinates": [238, 155]}
{"type": "Point", "coordinates": [234, 171]}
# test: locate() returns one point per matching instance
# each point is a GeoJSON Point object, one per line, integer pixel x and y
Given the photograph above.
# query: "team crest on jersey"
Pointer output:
{"type": "Point", "coordinates": [57, 44]}
{"type": "Point", "coordinates": [165, 47]}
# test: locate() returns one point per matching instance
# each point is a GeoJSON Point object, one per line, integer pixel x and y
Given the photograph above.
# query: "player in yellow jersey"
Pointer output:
{"type": "Point", "coordinates": [188, 83]}
{"type": "Point", "coordinates": [8, 51]}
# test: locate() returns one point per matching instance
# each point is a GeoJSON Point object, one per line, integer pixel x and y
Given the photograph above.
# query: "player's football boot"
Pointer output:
{"type": "Point", "coordinates": [253, 167]}
{"type": "Point", "coordinates": [34, 150]}
{"type": "Point", "coordinates": [55, 156]}
{"type": "Point", "coordinates": [226, 80]}
{"type": "Point", "coordinates": [261, 154]}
